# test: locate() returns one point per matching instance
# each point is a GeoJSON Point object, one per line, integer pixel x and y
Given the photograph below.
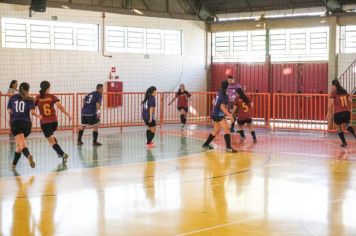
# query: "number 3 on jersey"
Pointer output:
{"type": "Point", "coordinates": [47, 109]}
{"type": "Point", "coordinates": [343, 101]}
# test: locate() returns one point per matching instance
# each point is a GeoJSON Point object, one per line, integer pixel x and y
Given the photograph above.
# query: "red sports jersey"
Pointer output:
{"type": "Point", "coordinates": [244, 111]}
{"type": "Point", "coordinates": [183, 99]}
{"type": "Point", "coordinates": [341, 102]}
{"type": "Point", "coordinates": [46, 107]}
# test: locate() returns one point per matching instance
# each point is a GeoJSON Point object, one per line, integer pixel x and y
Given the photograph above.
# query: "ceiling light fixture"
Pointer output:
{"type": "Point", "coordinates": [137, 11]}
{"type": "Point", "coordinates": [65, 7]}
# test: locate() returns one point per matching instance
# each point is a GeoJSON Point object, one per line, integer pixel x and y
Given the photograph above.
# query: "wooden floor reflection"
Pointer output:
{"type": "Point", "coordinates": [284, 185]}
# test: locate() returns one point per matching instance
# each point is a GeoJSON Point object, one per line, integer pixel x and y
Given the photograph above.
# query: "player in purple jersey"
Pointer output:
{"type": "Point", "coordinates": [218, 114]}
{"type": "Point", "coordinates": [20, 106]}
{"type": "Point", "coordinates": [148, 114]}
{"type": "Point", "coordinates": [91, 114]}
{"type": "Point", "coordinates": [231, 91]}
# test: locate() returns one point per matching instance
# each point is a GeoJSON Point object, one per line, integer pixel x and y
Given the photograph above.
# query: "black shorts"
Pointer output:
{"type": "Point", "coordinates": [90, 120]}
{"type": "Point", "coordinates": [342, 117]}
{"type": "Point", "coordinates": [49, 128]}
{"type": "Point", "coordinates": [21, 127]}
{"type": "Point", "coordinates": [183, 108]}
{"type": "Point", "coordinates": [218, 118]}
{"type": "Point", "coordinates": [243, 122]}
{"type": "Point", "coordinates": [152, 124]}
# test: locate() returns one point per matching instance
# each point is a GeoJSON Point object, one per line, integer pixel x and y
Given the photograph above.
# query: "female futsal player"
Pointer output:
{"type": "Point", "coordinates": [340, 100]}
{"type": "Point", "coordinates": [219, 112]}
{"type": "Point", "coordinates": [49, 123]}
{"type": "Point", "coordinates": [20, 106]}
{"type": "Point", "coordinates": [148, 114]}
{"type": "Point", "coordinates": [182, 105]}
{"type": "Point", "coordinates": [231, 92]}
{"type": "Point", "coordinates": [243, 109]}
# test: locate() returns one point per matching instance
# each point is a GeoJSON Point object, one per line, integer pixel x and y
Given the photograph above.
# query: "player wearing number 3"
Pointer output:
{"type": "Point", "coordinates": [49, 123]}
{"type": "Point", "coordinates": [243, 109]}
{"type": "Point", "coordinates": [20, 106]}
{"type": "Point", "coordinates": [340, 100]}
{"type": "Point", "coordinates": [91, 114]}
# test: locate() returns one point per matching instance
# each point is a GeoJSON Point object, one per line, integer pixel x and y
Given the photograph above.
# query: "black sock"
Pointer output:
{"type": "Point", "coordinates": [342, 136]}
{"type": "Point", "coordinates": [147, 135]}
{"type": "Point", "coordinates": [351, 130]}
{"type": "Point", "coordinates": [80, 135]}
{"type": "Point", "coordinates": [58, 149]}
{"type": "Point", "coordinates": [227, 138]}
{"type": "Point", "coordinates": [26, 152]}
{"type": "Point", "coordinates": [95, 136]}
{"type": "Point", "coordinates": [209, 140]}
{"type": "Point", "coordinates": [182, 119]}
{"type": "Point", "coordinates": [253, 135]}
{"type": "Point", "coordinates": [185, 120]}
{"type": "Point", "coordinates": [151, 135]}
{"type": "Point", "coordinates": [233, 124]}
{"type": "Point", "coordinates": [242, 133]}
{"type": "Point", "coordinates": [16, 158]}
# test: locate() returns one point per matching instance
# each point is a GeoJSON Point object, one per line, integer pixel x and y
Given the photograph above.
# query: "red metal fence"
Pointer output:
{"type": "Point", "coordinates": [276, 111]}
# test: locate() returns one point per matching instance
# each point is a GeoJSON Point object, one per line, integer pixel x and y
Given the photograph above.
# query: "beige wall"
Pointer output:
{"type": "Point", "coordinates": [72, 71]}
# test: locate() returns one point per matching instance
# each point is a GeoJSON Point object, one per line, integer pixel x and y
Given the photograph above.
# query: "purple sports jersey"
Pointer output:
{"type": "Point", "coordinates": [220, 99]}
{"type": "Point", "coordinates": [89, 103]}
{"type": "Point", "coordinates": [231, 91]}
{"type": "Point", "coordinates": [151, 102]}
{"type": "Point", "coordinates": [20, 108]}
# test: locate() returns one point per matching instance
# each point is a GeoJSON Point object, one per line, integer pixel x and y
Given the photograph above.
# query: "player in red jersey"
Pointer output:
{"type": "Point", "coordinates": [340, 100]}
{"type": "Point", "coordinates": [49, 123]}
{"type": "Point", "coordinates": [243, 109]}
{"type": "Point", "coordinates": [182, 105]}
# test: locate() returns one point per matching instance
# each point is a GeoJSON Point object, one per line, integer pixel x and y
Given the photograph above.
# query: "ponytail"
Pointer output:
{"type": "Point", "coordinates": [224, 86]}
{"type": "Point", "coordinates": [148, 93]}
{"type": "Point", "coordinates": [243, 96]}
{"type": "Point", "coordinates": [339, 88]}
{"type": "Point", "coordinates": [44, 86]}
{"type": "Point", "coordinates": [23, 90]}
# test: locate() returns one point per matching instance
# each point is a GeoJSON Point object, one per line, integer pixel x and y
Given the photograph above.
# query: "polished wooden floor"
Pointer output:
{"type": "Point", "coordinates": [287, 184]}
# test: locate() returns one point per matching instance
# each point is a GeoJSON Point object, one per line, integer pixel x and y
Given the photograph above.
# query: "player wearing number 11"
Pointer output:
{"type": "Point", "coordinates": [49, 123]}
{"type": "Point", "coordinates": [340, 100]}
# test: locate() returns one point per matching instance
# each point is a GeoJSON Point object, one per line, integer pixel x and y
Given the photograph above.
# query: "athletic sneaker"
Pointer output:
{"type": "Point", "coordinates": [31, 161]}
{"type": "Point", "coordinates": [96, 144]}
{"type": "Point", "coordinates": [80, 143]}
{"type": "Point", "coordinates": [13, 167]}
{"type": "Point", "coordinates": [181, 127]}
{"type": "Point", "coordinates": [208, 147]}
{"type": "Point", "coordinates": [65, 157]}
{"type": "Point", "coordinates": [343, 145]}
{"type": "Point", "coordinates": [242, 140]}
{"type": "Point", "coordinates": [150, 145]}
{"type": "Point", "coordinates": [231, 150]}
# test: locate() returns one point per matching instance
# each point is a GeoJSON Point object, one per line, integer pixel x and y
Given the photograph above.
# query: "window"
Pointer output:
{"type": "Point", "coordinates": [140, 40]}
{"type": "Point", "coordinates": [302, 44]}
{"type": "Point", "coordinates": [21, 33]}
{"type": "Point", "coordinates": [239, 46]}
{"type": "Point", "coordinates": [348, 39]}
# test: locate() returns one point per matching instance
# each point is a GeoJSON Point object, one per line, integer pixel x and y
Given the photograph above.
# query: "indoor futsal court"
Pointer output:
{"type": "Point", "coordinates": [177, 117]}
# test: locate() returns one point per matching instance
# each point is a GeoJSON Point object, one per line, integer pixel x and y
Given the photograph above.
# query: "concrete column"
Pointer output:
{"type": "Point", "coordinates": [333, 65]}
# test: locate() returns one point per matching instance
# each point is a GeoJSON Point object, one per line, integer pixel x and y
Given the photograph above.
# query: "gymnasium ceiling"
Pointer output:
{"type": "Point", "coordinates": [201, 9]}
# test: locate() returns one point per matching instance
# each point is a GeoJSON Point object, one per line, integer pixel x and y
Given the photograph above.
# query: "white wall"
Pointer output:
{"type": "Point", "coordinates": [73, 71]}
{"type": "Point", "coordinates": [344, 61]}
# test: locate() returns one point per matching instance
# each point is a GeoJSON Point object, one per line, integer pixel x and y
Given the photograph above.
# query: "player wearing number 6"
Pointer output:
{"type": "Point", "coordinates": [91, 114]}
{"type": "Point", "coordinates": [340, 102]}
{"type": "Point", "coordinates": [20, 106]}
{"type": "Point", "coordinates": [243, 109]}
{"type": "Point", "coordinates": [49, 123]}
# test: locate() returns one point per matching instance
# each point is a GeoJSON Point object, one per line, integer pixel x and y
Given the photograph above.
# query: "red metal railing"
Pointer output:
{"type": "Point", "coordinates": [276, 111]}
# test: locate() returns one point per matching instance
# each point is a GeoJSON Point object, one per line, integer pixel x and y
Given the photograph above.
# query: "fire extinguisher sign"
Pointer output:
{"type": "Point", "coordinates": [113, 69]}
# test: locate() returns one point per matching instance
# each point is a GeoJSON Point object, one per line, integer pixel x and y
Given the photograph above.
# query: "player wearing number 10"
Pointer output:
{"type": "Point", "coordinates": [20, 106]}
{"type": "Point", "coordinates": [340, 100]}
{"type": "Point", "coordinates": [49, 123]}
